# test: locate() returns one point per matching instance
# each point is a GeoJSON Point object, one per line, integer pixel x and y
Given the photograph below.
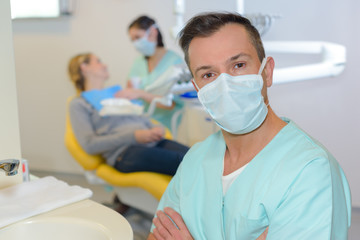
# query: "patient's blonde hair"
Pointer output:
{"type": "Point", "coordinates": [74, 70]}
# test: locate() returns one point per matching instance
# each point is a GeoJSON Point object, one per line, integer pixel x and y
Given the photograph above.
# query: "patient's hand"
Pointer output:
{"type": "Point", "coordinates": [149, 135]}
{"type": "Point", "coordinates": [159, 131]}
{"type": "Point", "coordinates": [165, 228]}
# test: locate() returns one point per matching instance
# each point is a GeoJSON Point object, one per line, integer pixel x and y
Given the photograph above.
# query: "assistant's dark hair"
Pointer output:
{"type": "Point", "coordinates": [145, 22]}
{"type": "Point", "coordinates": [206, 24]}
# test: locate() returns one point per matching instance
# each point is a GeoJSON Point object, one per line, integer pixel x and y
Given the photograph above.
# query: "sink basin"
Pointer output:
{"type": "Point", "coordinates": [82, 220]}
{"type": "Point", "coordinates": [56, 228]}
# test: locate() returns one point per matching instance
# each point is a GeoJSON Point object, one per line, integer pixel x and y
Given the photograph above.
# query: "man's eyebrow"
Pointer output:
{"type": "Point", "coordinates": [202, 68]}
{"type": "Point", "coordinates": [231, 59]}
{"type": "Point", "coordinates": [236, 57]}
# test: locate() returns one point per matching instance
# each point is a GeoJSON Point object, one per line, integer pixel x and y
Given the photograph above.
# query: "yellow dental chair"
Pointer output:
{"type": "Point", "coordinates": [141, 190]}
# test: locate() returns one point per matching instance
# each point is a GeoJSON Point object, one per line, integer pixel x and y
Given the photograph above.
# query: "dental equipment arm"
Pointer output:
{"type": "Point", "coordinates": [332, 64]}
{"type": "Point", "coordinates": [175, 81]}
{"type": "Point", "coordinates": [178, 83]}
{"type": "Point", "coordinates": [166, 100]}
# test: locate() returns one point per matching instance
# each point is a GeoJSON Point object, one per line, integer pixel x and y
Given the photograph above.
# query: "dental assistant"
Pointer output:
{"type": "Point", "coordinates": [261, 176]}
{"type": "Point", "coordinates": [154, 62]}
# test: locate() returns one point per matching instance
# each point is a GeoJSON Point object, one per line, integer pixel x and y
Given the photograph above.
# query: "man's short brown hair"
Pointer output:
{"type": "Point", "coordinates": [206, 24]}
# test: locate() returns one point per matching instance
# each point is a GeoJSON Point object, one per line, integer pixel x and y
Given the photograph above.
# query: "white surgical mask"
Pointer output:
{"type": "Point", "coordinates": [235, 102]}
{"type": "Point", "coordinates": [144, 46]}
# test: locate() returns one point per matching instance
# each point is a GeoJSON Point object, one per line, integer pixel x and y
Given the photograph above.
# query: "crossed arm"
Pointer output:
{"type": "Point", "coordinates": [165, 228]}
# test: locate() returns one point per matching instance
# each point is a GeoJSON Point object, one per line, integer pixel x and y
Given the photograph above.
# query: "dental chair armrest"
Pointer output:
{"type": "Point", "coordinates": [154, 183]}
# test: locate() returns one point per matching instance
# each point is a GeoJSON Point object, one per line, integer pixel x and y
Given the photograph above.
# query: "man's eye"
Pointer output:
{"type": "Point", "coordinates": [208, 75]}
{"type": "Point", "coordinates": [239, 65]}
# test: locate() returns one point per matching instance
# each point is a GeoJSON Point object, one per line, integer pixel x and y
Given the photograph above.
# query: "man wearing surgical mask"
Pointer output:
{"type": "Point", "coordinates": [261, 176]}
{"type": "Point", "coordinates": [155, 61]}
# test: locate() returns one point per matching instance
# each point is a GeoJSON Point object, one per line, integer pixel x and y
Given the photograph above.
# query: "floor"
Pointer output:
{"type": "Point", "coordinates": [141, 222]}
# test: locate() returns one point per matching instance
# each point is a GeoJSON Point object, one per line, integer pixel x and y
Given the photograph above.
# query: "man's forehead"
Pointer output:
{"type": "Point", "coordinates": [229, 30]}
{"type": "Point", "coordinates": [228, 41]}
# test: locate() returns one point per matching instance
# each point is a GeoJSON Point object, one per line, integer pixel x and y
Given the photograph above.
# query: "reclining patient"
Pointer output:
{"type": "Point", "coordinates": [129, 142]}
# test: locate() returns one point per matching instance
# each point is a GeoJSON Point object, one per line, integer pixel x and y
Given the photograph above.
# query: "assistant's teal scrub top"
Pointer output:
{"type": "Point", "coordinates": [140, 70]}
{"type": "Point", "coordinates": [294, 186]}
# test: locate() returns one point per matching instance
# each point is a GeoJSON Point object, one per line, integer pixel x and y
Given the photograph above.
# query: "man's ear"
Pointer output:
{"type": "Point", "coordinates": [193, 83]}
{"type": "Point", "coordinates": [269, 70]}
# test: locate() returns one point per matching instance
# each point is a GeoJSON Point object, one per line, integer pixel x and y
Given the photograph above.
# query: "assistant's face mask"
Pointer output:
{"type": "Point", "coordinates": [144, 46]}
{"type": "Point", "coordinates": [235, 102]}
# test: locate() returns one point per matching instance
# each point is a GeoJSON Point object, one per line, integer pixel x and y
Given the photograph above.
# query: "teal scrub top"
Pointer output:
{"type": "Point", "coordinates": [294, 186]}
{"type": "Point", "coordinates": [140, 70]}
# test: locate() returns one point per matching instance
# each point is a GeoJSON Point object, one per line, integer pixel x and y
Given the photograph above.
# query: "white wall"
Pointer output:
{"type": "Point", "coordinates": [326, 108]}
